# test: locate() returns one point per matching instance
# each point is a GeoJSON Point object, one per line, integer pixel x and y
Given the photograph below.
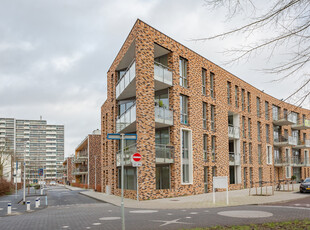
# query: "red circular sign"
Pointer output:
{"type": "Point", "coordinates": [136, 157]}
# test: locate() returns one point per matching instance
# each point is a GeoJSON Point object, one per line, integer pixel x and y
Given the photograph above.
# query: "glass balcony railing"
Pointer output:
{"type": "Point", "coordinates": [126, 79]}
{"type": "Point", "coordinates": [162, 73]}
{"type": "Point", "coordinates": [280, 161]}
{"type": "Point", "coordinates": [297, 161]}
{"type": "Point", "coordinates": [302, 144]}
{"type": "Point", "coordinates": [234, 158]}
{"type": "Point", "coordinates": [285, 141]}
{"type": "Point", "coordinates": [287, 119]}
{"type": "Point", "coordinates": [302, 125]}
{"type": "Point", "coordinates": [163, 115]}
{"type": "Point", "coordinates": [233, 132]}
{"type": "Point", "coordinates": [164, 153]}
{"type": "Point", "coordinates": [126, 118]}
{"type": "Point", "coordinates": [80, 170]}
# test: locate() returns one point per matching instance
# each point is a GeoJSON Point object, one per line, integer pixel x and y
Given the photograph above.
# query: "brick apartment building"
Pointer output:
{"type": "Point", "coordinates": [193, 120]}
{"type": "Point", "coordinates": [87, 166]}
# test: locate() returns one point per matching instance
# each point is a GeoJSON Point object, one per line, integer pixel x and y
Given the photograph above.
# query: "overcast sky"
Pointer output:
{"type": "Point", "coordinates": [54, 55]}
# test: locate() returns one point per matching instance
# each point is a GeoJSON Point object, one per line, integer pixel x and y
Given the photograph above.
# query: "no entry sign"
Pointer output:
{"type": "Point", "coordinates": [136, 157]}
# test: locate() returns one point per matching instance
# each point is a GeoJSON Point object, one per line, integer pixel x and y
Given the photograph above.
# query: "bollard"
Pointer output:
{"type": "Point", "coordinates": [42, 191]}
{"type": "Point", "coordinates": [9, 208]}
{"type": "Point", "coordinates": [28, 205]}
{"type": "Point", "coordinates": [37, 203]}
{"type": "Point", "coordinates": [46, 200]}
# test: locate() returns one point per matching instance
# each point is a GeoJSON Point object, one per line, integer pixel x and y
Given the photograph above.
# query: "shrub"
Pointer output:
{"type": "Point", "coordinates": [5, 187]}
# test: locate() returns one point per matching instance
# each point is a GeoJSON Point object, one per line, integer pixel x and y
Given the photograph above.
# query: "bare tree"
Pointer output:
{"type": "Point", "coordinates": [6, 157]}
{"type": "Point", "coordinates": [286, 24]}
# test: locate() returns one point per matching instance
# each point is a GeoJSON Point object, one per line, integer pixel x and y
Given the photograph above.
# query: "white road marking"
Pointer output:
{"type": "Point", "coordinates": [166, 222]}
{"type": "Point", "coordinates": [207, 211]}
{"type": "Point", "coordinates": [96, 224]}
{"type": "Point", "coordinates": [1, 209]}
{"type": "Point", "coordinates": [193, 213]}
{"type": "Point", "coordinates": [88, 227]}
{"type": "Point", "coordinates": [169, 214]}
{"type": "Point", "coordinates": [183, 210]}
{"type": "Point", "coordinates": [297, 204]}
{"type": "Point", "coordinates": [144, 211]}
{"type": "Point", "coordinates": [288, 207]}
{"type": "Point", "coordinates": [110, 218]}
{"type": "Point", "coordinates": [110, 210]}
{"type": "Point", "coordinates": [65, 226]}
{"type": "Point", "coordinates": [245, 214]}
{"type": "Point", "coordinates": [188, 217]}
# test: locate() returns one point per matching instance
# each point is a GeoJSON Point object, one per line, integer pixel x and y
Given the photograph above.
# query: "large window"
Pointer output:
{"type": "Point", "coordinates": [213, 148]}
{"type": "Point", "coordinates": [123, 106]}
{"type": "Point", "coordinates": [212, 117]}
{"type": "Point", "coordinates": [130, 177]}
{"type": "Point", "coordinates": [269, 154]}
{"type": "Point", "coordinates": [267, 133]}
{"type": "Point", "coordinates": [212, 85]}
{"type": "Point", "coordinates": [266, 110]}
{"type": "Point", "coordinates": [242, 99]}
{"type": "Point", "coordinates": [258, 106]}
{"type": "Point", "coordinates": [236, 97]}
{"type": "Point", "coordinates": [183, 72]}
{"type": "Point", "coordinates": [249, 102]}
{"type": "Point", "coordinates": [163, 177]}
{"type": "Point", "coordinates": [243, 126]}
{"type": "Point", "coordinates": [204, 115]}
{"type": "Point", "coordinates": [186, 157]}
{"type": "Point", "coordinates": [204, 81]}
{"type": "Point", "coordinates": [258, 131]}
{"type": "Point", "coordinates": [259, 151]}
{"type": "Point", "coordinates": [249, 128]}
{"type": "Point", "coordinates": [228, 93]}
{"type": "Point", "coordinates": [162, 136]}
{"type": "Point", "coordinates": [162, 98]}
{"type": "Point", "coordinates": [205, 147]}
{"type": "Point", "coordinates": [184, 109]}
{"type": "Point", "coordinates": [250, 154]}
{"type": "Point", "coordinates": [244, 152]}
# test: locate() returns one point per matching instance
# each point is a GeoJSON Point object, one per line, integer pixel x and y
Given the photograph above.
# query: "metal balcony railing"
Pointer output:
{"type": "Point", "coordinates": [297, 161]}
{"type": "Point", "coordinates": [234, 158]}
{"type": "Point", "coordinates": [126, 79]}
{"type": "Point", "coordinates": [162, 73]}
{"type": "Point", "coordinates": [163, 115]}
{"type": "Point", "coordinates": [233, 132]}
{"type": "Point", "coordinates": [280, 161]}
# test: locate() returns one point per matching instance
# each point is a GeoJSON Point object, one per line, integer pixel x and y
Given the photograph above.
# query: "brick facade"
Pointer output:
{"type": "Point", "coordinates": [141, 44]}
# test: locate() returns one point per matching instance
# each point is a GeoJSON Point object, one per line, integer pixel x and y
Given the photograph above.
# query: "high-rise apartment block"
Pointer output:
{"type": "Point", "coordinates": [193, 120]}
{"type": "Point", "coordinates": [39, 145]}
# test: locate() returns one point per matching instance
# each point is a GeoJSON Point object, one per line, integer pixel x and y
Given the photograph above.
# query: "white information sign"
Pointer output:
{"type": "Point", "coordinates": [136, 164]}
{"type": "Point", "coordinates": [220, 182]}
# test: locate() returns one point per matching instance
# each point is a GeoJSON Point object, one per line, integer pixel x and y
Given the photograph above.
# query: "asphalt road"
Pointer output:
{"type": "Point", "coordinates": [71, 210]}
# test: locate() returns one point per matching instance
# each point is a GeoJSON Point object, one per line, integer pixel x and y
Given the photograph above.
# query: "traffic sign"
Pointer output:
{"type": "Point", "coordinates": [40, 172]}
{"type": "Point", "coordinates": [136, 157]}
{"type": "Point", "coordinates": [118, 136]}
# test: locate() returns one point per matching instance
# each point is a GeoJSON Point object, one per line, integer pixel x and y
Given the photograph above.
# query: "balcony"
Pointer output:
{"type": "Point", "coordinates": [288, 119]}
{"type": "Point", "coordinates": [163, 117]}
{"type": "Point", "coordinates": [307, 161]}
{"type": "Point", "coordinates": [162, 76]}
{"type": "Point", "coordinates": [279, 162]}
{"type": "Point", "coordinates": [234, 158]}
{"type": "Point", "coordinates": [127, 121]}
{"type": "Point", "coordinates": [297, 162]}
{"type": "Point", "coordinates": [80, 157]}
{"type": "Point", "coordinates": [283, 141]}
{"type": "Point", "coordinates": [303, 144]}
{"type": "Point", "coordinates": [302, 125]}
{"type": "Point", "coordinates": [164, 154]}
{"type": "Point", "coordinates": [80, 171]}
{"type": "Point", "coordinates": [233, 132]}
{"type": "Point", "coordinates": [126, 86]}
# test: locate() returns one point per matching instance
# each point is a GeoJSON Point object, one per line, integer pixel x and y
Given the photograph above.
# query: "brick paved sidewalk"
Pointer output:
{"type": "Point", "coordinates": [236, 197]}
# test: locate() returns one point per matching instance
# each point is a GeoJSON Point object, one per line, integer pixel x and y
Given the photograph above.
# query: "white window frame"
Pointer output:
{"type": "Point", "coordinates": [269, 154]}
{"type": "Point", "coordinates": [190, 157]}
{"type": "Point", "coordinates": [289, 168]}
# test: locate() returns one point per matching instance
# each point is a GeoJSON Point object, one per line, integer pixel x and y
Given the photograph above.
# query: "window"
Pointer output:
{"type": "Point", "coordinates": [212, 85]}
{"type": "Point", "coordinates": [236, 97]}
{"type": "Point", "coordinates": [249, 127]}
{"type": "Point", "coordinates": [204, 81]}
{"type": "Point", "coordinates": [205, 147]}
{"type": "Point", "coordinates": [266, 110]}
{"type": "Point", "coordinates": [260, 176]}
{"type": "Point", "coordinates": [249, 102]}
{"type": "Point", "coordinates": [242, 99]}
{"type": "Point", "coordinates": [259, 151]}
{"type": "Point", "coordinates": [275, 112]}
{"type": "Point", "coordinates": [251, 176]}
{"type": "Point", "coordinates": [162, 136]}
{"type": "Point", "coordinates": [244, 152]}
{"type": "Point", "coordinates": [258, 106]}
{"type": "Point", "coordinates": [250, 154]}
{"type": "Point", "coordinates": [214, 171]}
{"type": "Point", "coordinates": [186, 156]}
{"type": "Point", "coordinates": [288, 172]}
{"type": "Point", "coordinates": [243, 126]}
{"type": "Point", "coordinates": [183, 72]}
{"type": "Point", "coordinates": [267, 133]}
{"type": "Point", "coordinates": [162, 99]}
{"type": "Point", "coordinates": [204, 115]}
{"type": "Point", "coordinates": [212, 117]}
{"type": "Point", "coordinates": [129, 178]}
{"type": "Point", "coordinates": [213, 148]}
{"type": "Point", "coordinates": [205, 179]}
{"type": "Point", "coordinates": [162, 177]}
{"type": "Point", "coordinates": [269, 155]}
{"type": "Point", "coordinates": [228, 93]}
{"type": "Point", "coordinates": [258, 131]}
{"type": "Point", "coordinates": [184, 109]}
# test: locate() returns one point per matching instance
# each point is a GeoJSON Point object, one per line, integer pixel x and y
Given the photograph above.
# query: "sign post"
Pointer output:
{"type": "Point", "coordinates": [220, 182]}
{"type": "Point", "coordinates": [136, 162]}
{"type": "Point", "coordinates": [122, 137]}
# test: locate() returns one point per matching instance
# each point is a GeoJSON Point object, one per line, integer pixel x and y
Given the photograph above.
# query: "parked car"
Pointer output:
{"type": "Point", "coordinates": [53, 183]}
{"type": "Point", "coordinates": [305, 185]}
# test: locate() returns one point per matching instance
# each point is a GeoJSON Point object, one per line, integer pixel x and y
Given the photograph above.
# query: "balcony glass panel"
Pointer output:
{"type": "Point", "coordinates": [126, 79]}
{"type": "Point", "coordinates": [162, 73]}
{"type": "Point", "coordinates": [163, 115]}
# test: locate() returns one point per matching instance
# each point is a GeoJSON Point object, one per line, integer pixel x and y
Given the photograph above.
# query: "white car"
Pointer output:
{"type": "Point", "coordinates": [53, 183]}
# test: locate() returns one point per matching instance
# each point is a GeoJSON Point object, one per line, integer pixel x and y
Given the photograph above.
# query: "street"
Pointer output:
{"type": "Point", "coordinates": [71, 210]}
